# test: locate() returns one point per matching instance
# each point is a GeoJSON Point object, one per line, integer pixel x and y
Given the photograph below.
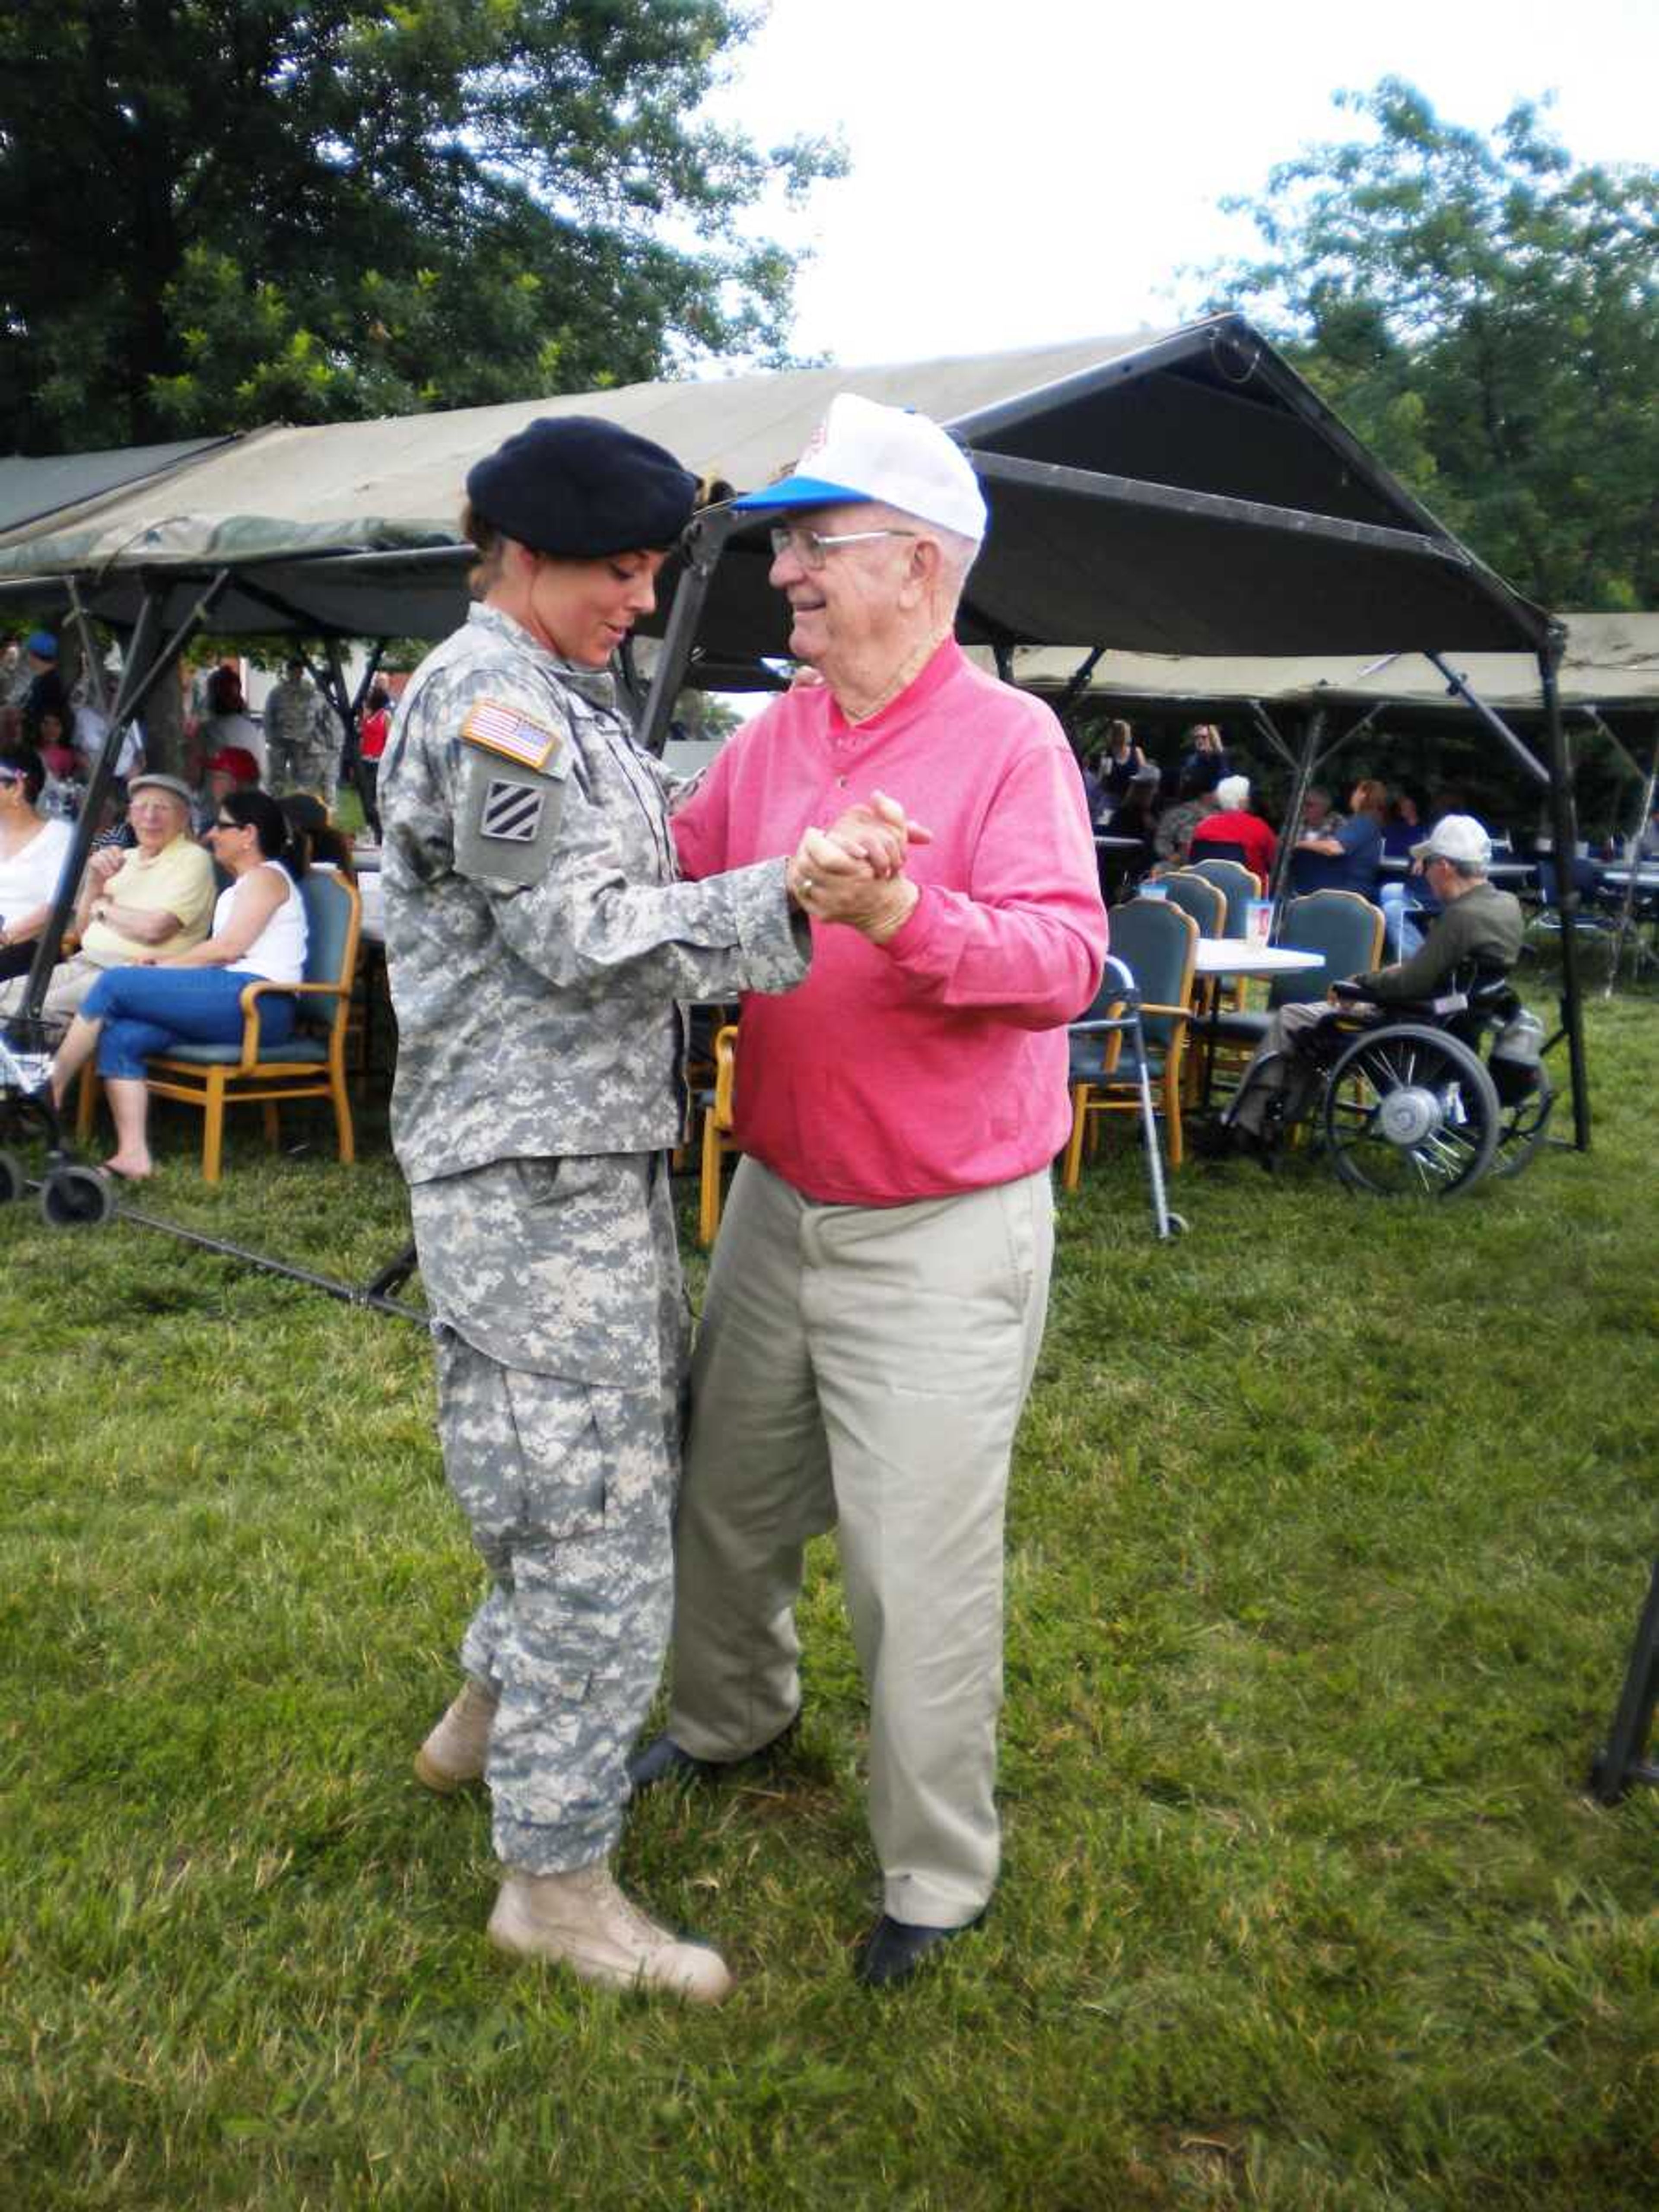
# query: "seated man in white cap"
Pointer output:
{"type": "Point", "coordinates": [878, 1294]}
{"type": "Point", "coordinates": [1479, 928]}
{"type": "Point", "coordinates": [154, 899]}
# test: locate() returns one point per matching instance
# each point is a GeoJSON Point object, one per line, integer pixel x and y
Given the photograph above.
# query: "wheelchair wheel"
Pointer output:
{"type": "Point", "coordinates": [12, 1184]}
{"type": "Point", "coordinates": [76, 1198]}
{"type": "Point", "coordinates": [1410, 1113]}
{"type": "Point", "coordinates": [1522, 1127]}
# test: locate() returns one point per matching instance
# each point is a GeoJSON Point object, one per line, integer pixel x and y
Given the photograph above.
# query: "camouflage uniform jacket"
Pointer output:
{"type": "Point", "coordinates": [537, 935]}
{"type": "Point", "coordinates": [296, 717]}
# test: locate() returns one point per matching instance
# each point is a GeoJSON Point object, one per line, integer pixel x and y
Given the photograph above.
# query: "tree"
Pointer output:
{"type": "Point", "coordinates": [1487, 316]}
{"type": "Point", "coordinates": [216, 212]}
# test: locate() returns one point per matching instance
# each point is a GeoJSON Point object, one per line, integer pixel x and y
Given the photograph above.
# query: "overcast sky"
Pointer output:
{"type": "Point", "coordinates": [1044, 169]}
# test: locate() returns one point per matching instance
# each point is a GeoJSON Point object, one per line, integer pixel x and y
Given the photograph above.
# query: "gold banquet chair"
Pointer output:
{"type": "Point", "coordinates": [716, 1103]}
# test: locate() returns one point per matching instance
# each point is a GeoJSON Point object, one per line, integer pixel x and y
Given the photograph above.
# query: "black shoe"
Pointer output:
{"type": "Point", "coordinates": [1213, 1140]}
{"type": "Point", "coordinates": [665, 1761]}
{"type": "Point", "coordinates": [895, 1949]}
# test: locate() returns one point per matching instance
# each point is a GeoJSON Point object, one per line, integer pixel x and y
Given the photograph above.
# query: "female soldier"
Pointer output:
{"type": "Point", "coordinates": [537, 941]}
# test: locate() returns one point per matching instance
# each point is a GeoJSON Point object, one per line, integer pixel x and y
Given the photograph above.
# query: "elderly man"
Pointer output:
{"type": "Point", "coordinates": [877, 1294]}
{"type": "Point", "coordinates": [1232, 832]}
{"type": "Point", "coordinates": [156, 898]}
{"type": "Point", "coordinates": [1479, 927]}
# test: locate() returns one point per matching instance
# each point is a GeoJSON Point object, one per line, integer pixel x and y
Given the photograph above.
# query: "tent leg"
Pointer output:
{"type": "Point", "coordinates": [1566, 852]}
{"type": "Point", "coordinates": [1313, 731]}
{"type": "Point", "coordinates": [701, 547]}
{"type": "Point", "coordinates": [1627, 904]}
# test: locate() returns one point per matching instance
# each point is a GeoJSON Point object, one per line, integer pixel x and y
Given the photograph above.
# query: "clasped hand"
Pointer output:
{"type": "Point", "coordinates": [854, 873]}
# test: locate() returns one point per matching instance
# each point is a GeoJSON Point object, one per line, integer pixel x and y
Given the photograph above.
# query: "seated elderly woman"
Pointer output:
{"type": "Point", "coordinates": [32, 850]}
{"type": "Point", "coordinates": [195, 996]}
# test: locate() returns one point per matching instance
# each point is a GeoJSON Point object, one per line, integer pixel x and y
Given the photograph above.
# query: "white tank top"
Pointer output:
{"type": "Point", "coordinates": [278, 952]}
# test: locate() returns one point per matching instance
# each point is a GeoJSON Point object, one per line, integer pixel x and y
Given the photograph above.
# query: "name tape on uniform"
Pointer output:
{"type": "Point", "coordinates": [512, 812]}
{"type": "Point", "coordinates": [504, 730]}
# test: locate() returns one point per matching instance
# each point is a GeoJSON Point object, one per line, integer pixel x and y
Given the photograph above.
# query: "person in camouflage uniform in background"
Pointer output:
{"type": "Point", "coordinates": [538, 940]}
{"type": "Point", "coordinates": [302, 742]}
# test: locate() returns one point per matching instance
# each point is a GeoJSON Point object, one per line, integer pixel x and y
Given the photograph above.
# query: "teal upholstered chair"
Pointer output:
{"type": "Point", "coordinates": [1347, 929]}
{"type": "Point", "coordinates": [1196, 896]}
{"type": "Point", "coordinates": [1237, 884]}
{"type": "Point", "coordinates": [310, 1064]}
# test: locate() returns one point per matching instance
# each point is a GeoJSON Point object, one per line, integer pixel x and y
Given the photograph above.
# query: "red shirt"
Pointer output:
{"type": "Point", "coordinates": [937, 1063]}
{"type": "Point", "coordinates": [371, 739]}
{"type": "Point", "coordinates": [1258, 842]}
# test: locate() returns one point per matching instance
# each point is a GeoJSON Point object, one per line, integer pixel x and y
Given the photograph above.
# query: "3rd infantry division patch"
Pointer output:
{"type": "Point", "coordinates": [512, 812]}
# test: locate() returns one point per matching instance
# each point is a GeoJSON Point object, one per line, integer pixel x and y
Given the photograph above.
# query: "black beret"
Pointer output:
{"type": "Point", "coordinates": [579, 487]}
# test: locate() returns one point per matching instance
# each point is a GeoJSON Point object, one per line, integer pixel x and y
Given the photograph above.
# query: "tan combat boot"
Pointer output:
{"type": "Point", "coordinates": [455, 1753]}
{"type": "Point", "coordinates": [584, 1921]}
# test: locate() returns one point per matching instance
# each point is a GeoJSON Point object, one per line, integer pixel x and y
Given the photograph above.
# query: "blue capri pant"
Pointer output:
{"type": "Point", "coordinates": [147, 1009]}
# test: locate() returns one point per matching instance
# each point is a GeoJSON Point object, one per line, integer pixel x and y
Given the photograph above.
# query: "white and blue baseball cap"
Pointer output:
{"type": "Point", "coordinates": [862, 451]}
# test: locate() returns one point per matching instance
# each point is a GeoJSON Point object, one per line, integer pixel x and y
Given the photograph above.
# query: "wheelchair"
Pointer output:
{"type": "Point", "coordinates": [1423, 1101]}
{"type": "Point", "coordinates": [72, 1195]}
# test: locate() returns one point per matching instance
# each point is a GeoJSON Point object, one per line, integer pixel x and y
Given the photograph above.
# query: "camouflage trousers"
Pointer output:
{"type": "Point", "coordinates": [568, 1478]}
{"type": "Point", "coordinates": [290, 766]}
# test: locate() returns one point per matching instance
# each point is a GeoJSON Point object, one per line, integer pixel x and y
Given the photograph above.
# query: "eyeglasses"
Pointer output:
{"type": "Point", "coordinates": [810, 546]}
{"type": "Point", "coordinates": [229, 825]}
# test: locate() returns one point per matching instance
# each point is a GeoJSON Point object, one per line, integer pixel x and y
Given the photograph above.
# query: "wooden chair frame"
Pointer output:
{"type": "Point", "coordinates": [716, 1132]}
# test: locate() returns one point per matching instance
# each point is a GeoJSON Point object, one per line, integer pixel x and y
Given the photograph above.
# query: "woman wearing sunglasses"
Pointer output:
{"type": "Point", "coordinates": [195, 996]}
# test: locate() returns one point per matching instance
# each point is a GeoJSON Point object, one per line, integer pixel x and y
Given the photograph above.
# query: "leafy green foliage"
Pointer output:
{"type": "Point", "coordinates": [1487, 316]}
{"type": "Point", "coordinates": [1329, 1527]}
{"type": "Point", "coordinates": [221, 215]}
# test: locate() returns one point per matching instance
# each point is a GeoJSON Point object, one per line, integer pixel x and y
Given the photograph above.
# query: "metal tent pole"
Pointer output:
{"type": "Point", "coordinates": [1566, 888]}
{"type": "Point", "coordinates": [1494, 722]}
{"type": "Point", "coordinates": [91, 660]}
{"type": "Point", "coordinates": [1627, 904]}
{"type": "Point", "coordinates": [1313, 731]}
{"type": "Point", "coordinates": [701, 548]}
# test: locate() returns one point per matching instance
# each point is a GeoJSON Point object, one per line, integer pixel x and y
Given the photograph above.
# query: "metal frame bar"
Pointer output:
{"type": "Point", "coordinates": [92, 660]}
{"type": "Point", "coordinates": [1565, 831]}
{"type": "Point", "coordinates": [1266, 727]}
{"type": "Point", "coordinates": [701, 546]}
{"type": "Point", "coordinates": [1218, 506]}
{"type": "Point", "coordinates": [1632, 889]}
{"type": "Point", "coordinates": [1459, 687]}
{"type": "Point", "coordinates": [1313, 731]}
{"type": "Point", "coordinates": [1084, 383]}
{"type": "Point", "coordinates": [1622, 1762]}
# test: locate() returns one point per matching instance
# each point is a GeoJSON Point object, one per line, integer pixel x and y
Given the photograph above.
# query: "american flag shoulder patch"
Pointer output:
{"type": "Point", "coordinates": [512, 812]}
{"type": "Point", "coordinates": [502, 729]}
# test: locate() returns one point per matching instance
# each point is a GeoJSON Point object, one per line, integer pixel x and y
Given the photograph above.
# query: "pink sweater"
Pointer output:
{"type": "Point", "coordinates": [937, 1063]}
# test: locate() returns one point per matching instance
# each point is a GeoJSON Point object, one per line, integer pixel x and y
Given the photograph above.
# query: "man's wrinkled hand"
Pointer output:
{"type": "Point", "coordinates": [835, 885]}
{"type": "Point", "coordinates": [880, 832]}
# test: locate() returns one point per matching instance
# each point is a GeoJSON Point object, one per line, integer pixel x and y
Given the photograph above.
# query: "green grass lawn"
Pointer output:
{"type": "Point", "coordinates": [1327, 1533]}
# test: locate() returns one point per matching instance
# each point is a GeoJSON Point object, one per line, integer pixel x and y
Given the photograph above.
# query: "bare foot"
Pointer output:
{"type": "Point", "coordinates": [131, 1167]}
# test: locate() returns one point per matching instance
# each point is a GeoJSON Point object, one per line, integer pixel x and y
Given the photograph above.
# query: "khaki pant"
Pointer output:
{"type": "Point", "coordinates": [71, 979]}
{"type": "Point", "coordinates": [864, 1369]}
